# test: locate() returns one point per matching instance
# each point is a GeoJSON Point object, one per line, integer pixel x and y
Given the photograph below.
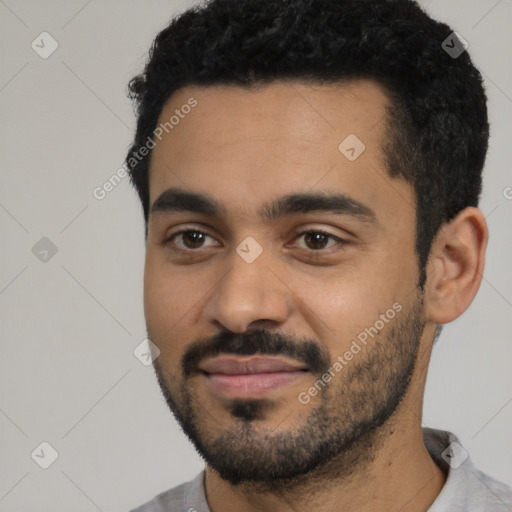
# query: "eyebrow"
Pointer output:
{"type": "Point", "coordinates": [175, 200]}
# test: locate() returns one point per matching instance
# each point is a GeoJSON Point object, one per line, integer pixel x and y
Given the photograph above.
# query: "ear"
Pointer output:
{"type": "Point", "coordinates": [455, 266]}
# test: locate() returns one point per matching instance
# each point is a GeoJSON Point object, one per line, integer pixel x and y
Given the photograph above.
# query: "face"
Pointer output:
{"type": "Point", "coordinates": [280, 274]}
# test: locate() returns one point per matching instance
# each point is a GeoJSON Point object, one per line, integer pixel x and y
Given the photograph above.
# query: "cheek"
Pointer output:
{"type": "Point", "coordinates": [166, 293]}
{"type": "Point", "coordinates": [344, 304]}
{"type": "Point", "coordinates": [168, 304]}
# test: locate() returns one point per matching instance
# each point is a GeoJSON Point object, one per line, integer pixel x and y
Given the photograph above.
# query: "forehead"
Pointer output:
{"type": "Point", "coordinates": [285, 111]}
{"type": "Point", "coordinates": [244, 146]}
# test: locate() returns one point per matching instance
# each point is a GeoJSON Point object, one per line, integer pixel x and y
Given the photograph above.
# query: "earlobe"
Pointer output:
{"type": "Point", "coordinates": [456, 265]}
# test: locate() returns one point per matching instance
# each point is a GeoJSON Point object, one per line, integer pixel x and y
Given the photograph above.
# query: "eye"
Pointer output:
{"type": "Point", "coordinates": [190, 239]}
{"type": "Point", "coordinates": [316, 239]}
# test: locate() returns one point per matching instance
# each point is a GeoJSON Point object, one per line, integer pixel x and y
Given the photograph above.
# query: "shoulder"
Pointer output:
{"type": "Point", "coordinates": [187, 497]}
{"type": "Point", "coordinates": [466, 488]}
{"type": "Point", "coordinates": [170, 500]}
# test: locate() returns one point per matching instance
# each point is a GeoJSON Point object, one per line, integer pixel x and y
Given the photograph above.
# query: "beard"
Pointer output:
{"type": "Point", "coordinates": [335, 435]}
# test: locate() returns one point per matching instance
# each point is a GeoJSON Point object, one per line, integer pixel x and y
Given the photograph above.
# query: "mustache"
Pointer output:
{"type": "Point", "coordinates": [257, 342]}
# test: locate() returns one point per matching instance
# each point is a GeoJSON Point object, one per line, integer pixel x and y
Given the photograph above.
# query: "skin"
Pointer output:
{"type": "Point", "coordinates": [244, 148]}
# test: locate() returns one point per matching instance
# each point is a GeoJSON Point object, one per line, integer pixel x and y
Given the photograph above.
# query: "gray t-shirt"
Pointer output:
{"type": "Point", "coordinates": [466, 489]}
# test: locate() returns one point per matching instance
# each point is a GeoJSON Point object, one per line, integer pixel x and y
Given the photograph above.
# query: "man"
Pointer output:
{"type": "Point", "coordinates": [309, 172]}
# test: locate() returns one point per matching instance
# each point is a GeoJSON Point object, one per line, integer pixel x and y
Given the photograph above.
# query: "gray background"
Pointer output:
{"type": "Point", "coordinates": [69, 325]}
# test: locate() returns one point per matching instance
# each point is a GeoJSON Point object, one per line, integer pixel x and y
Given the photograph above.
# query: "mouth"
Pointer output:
{"type": "Point", "coordinates": [250, 376]}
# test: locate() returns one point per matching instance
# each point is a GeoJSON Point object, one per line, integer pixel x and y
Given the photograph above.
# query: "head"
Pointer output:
{"type": "Point", "coordinates": [266, 129]}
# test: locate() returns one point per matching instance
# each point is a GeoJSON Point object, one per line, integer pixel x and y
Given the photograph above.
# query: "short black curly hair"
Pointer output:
{"type": "Point", "coordinates": [437, 127]}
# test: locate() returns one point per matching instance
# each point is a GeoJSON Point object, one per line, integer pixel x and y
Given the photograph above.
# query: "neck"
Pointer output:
{"type": "Point", "coordinates": [388, 470]}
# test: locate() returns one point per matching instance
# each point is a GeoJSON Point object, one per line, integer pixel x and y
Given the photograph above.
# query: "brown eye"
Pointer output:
{"type": "Point", "coordinates": [188, 239]}
{"type": "Point", "coordinates": [316, 240]}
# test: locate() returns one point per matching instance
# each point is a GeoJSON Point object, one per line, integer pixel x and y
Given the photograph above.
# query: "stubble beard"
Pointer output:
{"type": "Point", "coordinates": [338, 435]}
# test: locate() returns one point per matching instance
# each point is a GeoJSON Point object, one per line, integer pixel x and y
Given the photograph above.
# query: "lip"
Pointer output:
{"type": "Point", "coordinates": [236, 365]}
{"type": "Point", "coordinates": [251, 376]}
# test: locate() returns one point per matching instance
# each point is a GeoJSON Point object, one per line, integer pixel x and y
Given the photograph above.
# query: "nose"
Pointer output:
{"type": "Point", "coordinates": [248, 296]}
